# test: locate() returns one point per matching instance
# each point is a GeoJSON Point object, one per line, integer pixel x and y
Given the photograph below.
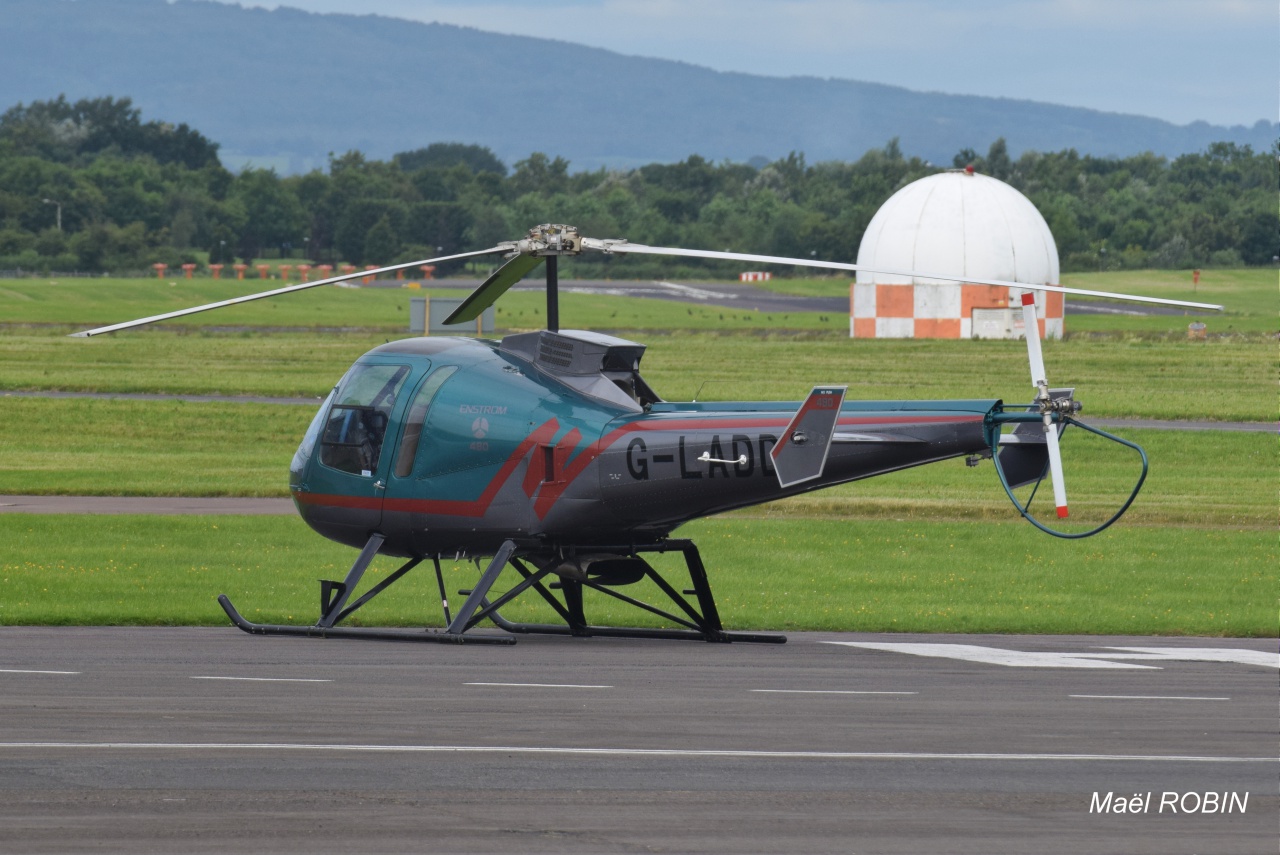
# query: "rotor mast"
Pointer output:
{"type": "Point", "coordinates": [553, 293]}
{"type": "Point", "coordinates": [550, 241]}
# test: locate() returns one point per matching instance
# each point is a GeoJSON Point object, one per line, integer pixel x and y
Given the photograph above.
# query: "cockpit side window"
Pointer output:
{"type": "Point", "coordinates": [357, 422]}
{"type": "Point", "coordinates": [408, 451]}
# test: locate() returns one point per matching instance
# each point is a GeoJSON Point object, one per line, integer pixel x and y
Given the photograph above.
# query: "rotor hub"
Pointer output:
{"type": "Point", "coordinates": [550, 239]}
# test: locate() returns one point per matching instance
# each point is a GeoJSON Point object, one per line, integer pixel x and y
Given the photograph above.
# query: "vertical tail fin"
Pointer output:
{"type": "Point", "coordinates": [801, 453]}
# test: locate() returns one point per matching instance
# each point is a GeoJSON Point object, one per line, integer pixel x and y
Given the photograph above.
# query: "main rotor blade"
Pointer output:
{"type": "Point", "coordinates": [618, 246]}
{"type": "Point", "coordinates": [288, 289]}
{"type": "Point", "coordinates": [493, 288]}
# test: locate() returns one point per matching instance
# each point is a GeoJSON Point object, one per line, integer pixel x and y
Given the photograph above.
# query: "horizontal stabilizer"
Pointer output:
{"type": "Point", "coordinates": [801, 453]}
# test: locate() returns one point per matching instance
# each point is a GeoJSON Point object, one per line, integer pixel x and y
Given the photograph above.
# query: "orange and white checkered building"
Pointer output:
{"type": "Point", "coordinates": [946, 311]}
{"type": "Point", "coordinates": [961, 224]}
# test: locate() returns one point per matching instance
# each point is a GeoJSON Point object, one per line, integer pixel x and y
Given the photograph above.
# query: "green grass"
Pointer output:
{"type": "Point", "coordinates": [806, 574]}
{"type": "Point", "coordinates": [303, 364]}
{"type": "Point", "coordinates": [932, 549]}
{"type": "Point", "coordinates": [1161, 379]}
{"type": "Point", "coordinates": [1144, 378]}
{"type": "Point", "coordinates": [160, 448]}
{"type": "Point", "coordinates": [84, 303]}
{"type": "Point", "coordinates": [148, 448]}
{"type": "Point", "coordinates": [1248, 297]}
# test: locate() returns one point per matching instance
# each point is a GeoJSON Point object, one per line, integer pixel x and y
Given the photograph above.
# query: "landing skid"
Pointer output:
{"type": "Point", "coordinates": [700, 619]}
{"type": "Point", "coordinates": [354, 632]}
{"type": "Point", "coordinates": [702, 623]}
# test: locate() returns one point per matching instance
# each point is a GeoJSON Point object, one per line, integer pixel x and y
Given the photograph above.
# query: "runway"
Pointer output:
{"type": "Point", "coordinates": [210, 740]}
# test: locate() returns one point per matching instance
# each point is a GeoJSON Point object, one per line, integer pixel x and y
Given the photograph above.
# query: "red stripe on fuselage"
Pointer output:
{"type": "Point", "coordinates": [550, 493]}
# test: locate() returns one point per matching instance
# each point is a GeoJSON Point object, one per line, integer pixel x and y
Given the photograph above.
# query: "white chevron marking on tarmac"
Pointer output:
{"type": "Point", "coordinates": [1041, 659]}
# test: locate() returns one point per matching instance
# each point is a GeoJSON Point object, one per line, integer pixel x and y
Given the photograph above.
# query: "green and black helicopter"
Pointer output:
{"type": "Point", "coordinates": [548, 453]}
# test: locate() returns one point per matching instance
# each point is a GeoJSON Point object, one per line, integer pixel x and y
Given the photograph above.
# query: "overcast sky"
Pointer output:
{"type": "Point", "coordinates": [1179, 60]}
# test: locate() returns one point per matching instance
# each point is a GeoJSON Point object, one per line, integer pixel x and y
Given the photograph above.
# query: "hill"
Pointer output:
{"type": "Point", "coordinates": [284, 88]}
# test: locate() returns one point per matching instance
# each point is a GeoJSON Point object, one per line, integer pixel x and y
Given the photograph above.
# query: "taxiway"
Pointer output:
{"type": "Point", "coordinates": [210, 740]}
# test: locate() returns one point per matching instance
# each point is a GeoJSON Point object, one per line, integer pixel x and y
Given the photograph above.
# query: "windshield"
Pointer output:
{"type": "Point", "coordinates": [357, 422]}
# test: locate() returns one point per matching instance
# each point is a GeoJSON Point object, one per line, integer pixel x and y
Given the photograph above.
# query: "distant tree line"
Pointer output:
{"type": "Point", "coordinates": [89, 186]}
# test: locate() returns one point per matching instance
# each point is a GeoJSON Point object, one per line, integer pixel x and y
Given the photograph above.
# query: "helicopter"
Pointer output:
{"type": "Point", "coordinates": [548, 454]}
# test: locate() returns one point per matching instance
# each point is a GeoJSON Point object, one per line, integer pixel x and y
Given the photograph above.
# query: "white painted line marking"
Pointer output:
{"type": "Point", "coordinates": [265, 679]}
{"type": "Point", "coordinates": [540, 685]}
{"type": "Point", "coordinates": [24, 671]}
{"type": "Point", "coordinates": [626, 752]}
{"type": "Point", "coordinates": [1026, 659]}
{"type": "Point", "coordinates": [1148, 698]}
{"type": "Point", "coordinates": [992, 655]}
{"type": "Point", "coordinates": [826, 692]}
{"type": "Point", "coordinates": [1203, 654]}
{"type": "Point", "coordinates": [696, 293]}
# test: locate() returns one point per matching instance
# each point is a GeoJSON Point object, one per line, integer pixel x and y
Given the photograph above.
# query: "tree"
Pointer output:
{"type": "Point", "coordinates": [476, 158]}
{"type": "Point", "coordinates": [60, 131]}
{"type": "Point", "coordinates": [380, 243]}
{"type": "Point", "coordinates": [438, 224]}
{"type": "Point", "coordinates": [539, 174]}
{"type": "Point", "coordinates": [273, 216]}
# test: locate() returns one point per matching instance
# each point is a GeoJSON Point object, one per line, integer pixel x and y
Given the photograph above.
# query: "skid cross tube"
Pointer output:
{"type": "Point", "coordinates": [571, 610]}
{"type": "Point", "coordinates": [462, 620]}
{"type": "Point", "coordinates": [700, 623]}
{"type": "Point", "coordinates": [334, 608]}
{"type": "Point", "coordinates": [333, 595]}
{"type": "Point", "coordinates": [378, 588]}
{"type": "Point", "coordinates": [704, 626]}
{"type": "Point", "coordinates": [444, 598]}
{"type": "Point", "coordinates": [490, 608]}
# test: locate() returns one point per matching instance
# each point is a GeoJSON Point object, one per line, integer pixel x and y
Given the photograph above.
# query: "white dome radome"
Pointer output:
{"type": "Point", "coordinates": [959, 224]}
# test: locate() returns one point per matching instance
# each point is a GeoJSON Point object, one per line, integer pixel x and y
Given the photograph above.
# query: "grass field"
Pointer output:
{"type": "Point", "coordinates": [768, 574]}
{"type": "Point", "coordinates": [158, 448]}
{"type": "Point", "coordinates": [82, 303]}
{"type": "Point", "coordinates": [933, 549]}
{"type": "Point", "coordinates": [1249, 298]}
{"type": "Point", "coordinates": [1143, 378]}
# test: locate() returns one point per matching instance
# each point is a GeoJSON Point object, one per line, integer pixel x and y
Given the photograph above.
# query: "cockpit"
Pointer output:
{"type": "Point", "coordinates": [353, 433]}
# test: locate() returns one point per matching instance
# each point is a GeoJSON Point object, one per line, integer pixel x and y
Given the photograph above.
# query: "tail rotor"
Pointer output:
{"type": "Point", "coordinates": [1023, 457]}
{"type": "Point", "coordinates": [1047, 405]}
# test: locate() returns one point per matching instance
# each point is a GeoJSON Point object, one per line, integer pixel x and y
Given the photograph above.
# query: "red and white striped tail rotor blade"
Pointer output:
{"type": "Point", "coordinates": [1034, 354]}
{"type": "Point", "coordinates": [1055, 470]}
{"type": "Point", "coordinates": [1040, 382]}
